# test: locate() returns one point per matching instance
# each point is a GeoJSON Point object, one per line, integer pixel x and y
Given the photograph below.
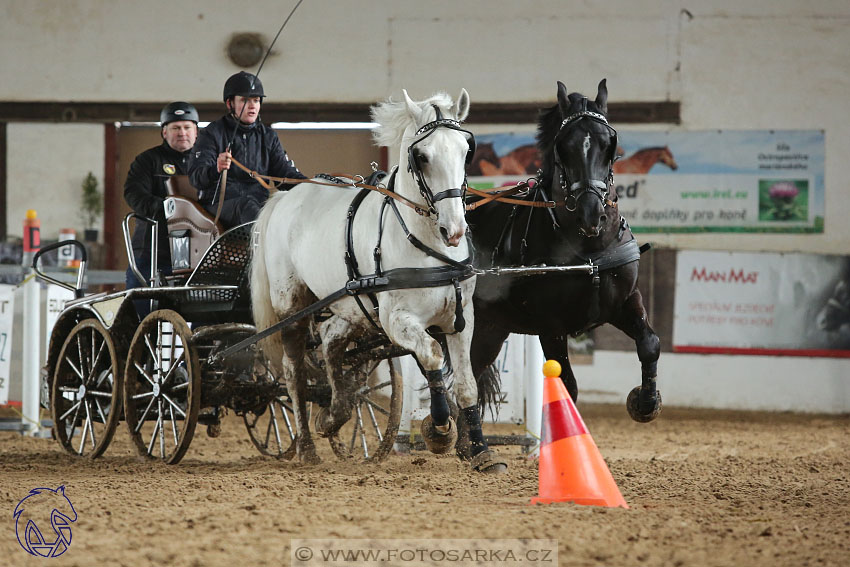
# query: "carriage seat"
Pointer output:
{"type": "Point", "coordinates": [191, 229]}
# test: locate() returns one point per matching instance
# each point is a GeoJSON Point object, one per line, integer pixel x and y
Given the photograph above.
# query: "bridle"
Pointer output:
{"type": "Point", "coordinates": [415, 167]}
{"type": "Point", "coordinates": [575, 190]}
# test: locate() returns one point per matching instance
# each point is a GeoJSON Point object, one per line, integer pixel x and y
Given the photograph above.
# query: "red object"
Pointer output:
{"type": "Point", "coordinates": [32, 232]}
{"type": "Point", "coordinates": [571, 469]}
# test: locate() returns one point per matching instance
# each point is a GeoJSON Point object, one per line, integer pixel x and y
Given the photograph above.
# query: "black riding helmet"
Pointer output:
{"type": "Point", "coordinates": [175, 111]}
{"type": "Point", "coordinates": [243, 84]}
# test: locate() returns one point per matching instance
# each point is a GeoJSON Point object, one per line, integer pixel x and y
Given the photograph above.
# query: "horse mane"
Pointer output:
{"type": "Point", "coordinates": [393, 118]}
{"type": "Point", "coordinates": [549, 124]}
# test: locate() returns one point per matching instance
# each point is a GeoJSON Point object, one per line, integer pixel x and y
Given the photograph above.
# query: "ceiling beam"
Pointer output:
{"type": "Point", "coordinates": [664, 112]}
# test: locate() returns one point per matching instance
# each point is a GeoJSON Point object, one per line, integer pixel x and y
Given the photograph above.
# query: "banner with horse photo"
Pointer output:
{"type": "Point", "coordinates": [691, 181]}
{"type": "Point", "coordinates": [762, 304]}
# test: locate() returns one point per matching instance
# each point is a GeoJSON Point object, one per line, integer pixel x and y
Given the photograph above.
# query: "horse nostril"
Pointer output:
{"type": "Point", "coordinates": [444, 233]}
{"type": "Point", "coordinates": [602, 219]}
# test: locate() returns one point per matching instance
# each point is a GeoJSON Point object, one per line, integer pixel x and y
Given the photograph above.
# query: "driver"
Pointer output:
{"type": "Point", "coordinates": [252, 143]}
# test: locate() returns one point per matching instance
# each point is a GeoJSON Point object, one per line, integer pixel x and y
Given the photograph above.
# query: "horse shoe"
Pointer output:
{"type": "Point", "coordinates": [437, 441]}
{"type": "Point", "coordinates": [488, 462]}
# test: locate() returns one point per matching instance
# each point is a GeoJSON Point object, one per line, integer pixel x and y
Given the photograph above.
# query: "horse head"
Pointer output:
{"type": "Point", "coordinates": [667, 158]}
{"type": "Point", "coordinates": [436, 151]}
{"type": "Point", "coordinates": [579, 149]}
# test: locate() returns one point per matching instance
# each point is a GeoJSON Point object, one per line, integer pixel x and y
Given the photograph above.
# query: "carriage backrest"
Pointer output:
{"type": "Point", "coordinates": [226, 261]}
{"type": "Point", "coordinates": [191, 229]}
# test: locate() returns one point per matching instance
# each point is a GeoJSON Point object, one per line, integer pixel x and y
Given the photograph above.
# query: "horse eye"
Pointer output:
{"type": "Point", "coordinates": [421, 157]}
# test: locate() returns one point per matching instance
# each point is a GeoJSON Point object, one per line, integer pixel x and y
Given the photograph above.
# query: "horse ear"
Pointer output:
{"type": "Point", "coordinates": [412, 107]}
{"type": "Point", "coordinates": [602, 96]}
{"type": "Point", "coordinates": [462, 106]}
{"type": "Point", "coordinates": [563, 100]}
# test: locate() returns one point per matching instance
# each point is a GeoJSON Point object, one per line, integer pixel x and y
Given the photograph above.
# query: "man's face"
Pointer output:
{"type": "Point", "coordinates": [247, 109]}
{"type": "Point", "coordinates": [180, 135]}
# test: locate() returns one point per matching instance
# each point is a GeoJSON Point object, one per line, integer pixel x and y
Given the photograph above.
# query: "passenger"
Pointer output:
{"type": "Point", "coordinates": [145, 189]}
{"type": "Point", "coordinates": [252, 143]}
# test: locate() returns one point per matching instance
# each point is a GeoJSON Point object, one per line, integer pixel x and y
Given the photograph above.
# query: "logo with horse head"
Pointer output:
{"type": "Point", "coordinates": [40, 507]}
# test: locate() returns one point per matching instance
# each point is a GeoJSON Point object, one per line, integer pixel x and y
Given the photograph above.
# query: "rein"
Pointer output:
{"type": "Point", "coordinates": [277, 181]}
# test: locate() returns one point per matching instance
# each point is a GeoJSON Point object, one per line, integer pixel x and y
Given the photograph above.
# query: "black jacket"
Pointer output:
{"type": "Point", "coordinates": [255, 146]}
{"type": "Point", "coordinates": [145, 190]}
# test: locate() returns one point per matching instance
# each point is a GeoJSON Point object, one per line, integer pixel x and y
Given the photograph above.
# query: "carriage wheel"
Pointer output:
{"type": "Point", "coordinates": [371, 431]}
{"type": "Point", "coordinates": [86, 390]}
{"type": "Point", "coordinates": [162, 387]}
{"type": "Point", "coordinates": [272, 430]}
{"type": "Point", "coordinates": [271, 427]}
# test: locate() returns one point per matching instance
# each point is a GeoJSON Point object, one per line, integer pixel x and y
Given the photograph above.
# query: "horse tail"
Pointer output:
{"type": "Point", "coordinates": [489, 386]}
{"type": "Point", "coordinates": [261, 299]}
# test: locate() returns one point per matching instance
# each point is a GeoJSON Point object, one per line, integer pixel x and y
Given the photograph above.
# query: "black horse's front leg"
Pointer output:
{"type": "Point", "coordinates": [644, 402]}
{"type": "Point", "coordinates": [555, 348]}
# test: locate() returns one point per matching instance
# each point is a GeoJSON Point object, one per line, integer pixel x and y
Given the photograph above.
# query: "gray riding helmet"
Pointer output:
{"type": "Point", "coordinates": [179, 110]}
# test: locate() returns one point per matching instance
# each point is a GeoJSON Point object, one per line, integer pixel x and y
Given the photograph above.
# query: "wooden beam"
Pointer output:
{"type": "Point", "coordinates": [111, 205]}
{"type": "Point", "coordinates": [664, 112]}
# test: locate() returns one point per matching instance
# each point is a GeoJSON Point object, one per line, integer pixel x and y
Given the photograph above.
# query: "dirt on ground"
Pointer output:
{"type": "Point", "coordinates": [704, 488]}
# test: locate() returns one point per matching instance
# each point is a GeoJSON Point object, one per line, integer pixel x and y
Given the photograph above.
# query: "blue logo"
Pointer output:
{"type": "Point", "coordinates": [43, 505]}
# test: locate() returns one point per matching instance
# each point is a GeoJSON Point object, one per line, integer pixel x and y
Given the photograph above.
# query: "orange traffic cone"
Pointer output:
{"type": "Point", "coordinates": [571, 468]}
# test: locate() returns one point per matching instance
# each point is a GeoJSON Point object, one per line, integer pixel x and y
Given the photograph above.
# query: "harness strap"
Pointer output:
{"type": "Point", "coordinates": [504, 196]}
{"type": "Point", "coordinates": [465, 264]}
{"type": "Point", "coordinates": [399, 278]}
{"type": "Point", "coordinates": [350, 256]}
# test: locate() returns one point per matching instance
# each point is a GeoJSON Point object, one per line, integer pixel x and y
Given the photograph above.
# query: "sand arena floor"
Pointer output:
{"type": "Point", "coordinates": [705, 488]}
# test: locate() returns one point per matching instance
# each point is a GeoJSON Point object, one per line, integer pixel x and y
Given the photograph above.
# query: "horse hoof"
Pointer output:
{"type": "Point", "coordinates": [641, 415]}
{"type": "Point", "coordinates": [438, 442]}
{"type": "Point", "coordinates": [323, 423]}
{"type": "Point", "coordinates": [488, 462]}
{"type": "Point", "coordinates": [309, 458]}
{"type": "Point", "coordinates": [213, 430]}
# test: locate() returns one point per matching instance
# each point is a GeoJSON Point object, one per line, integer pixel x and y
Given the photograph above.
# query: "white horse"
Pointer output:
{"type": "Point", "coordinates": [300, 258]}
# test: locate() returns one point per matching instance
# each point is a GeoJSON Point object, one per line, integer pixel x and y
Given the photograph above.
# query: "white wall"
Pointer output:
{"type": "Point", "coordinates": [769, 383]}
{"type": "Point", "coordinates": [746, 65]}
{"type": "Point", "coordinates": [46, 167]}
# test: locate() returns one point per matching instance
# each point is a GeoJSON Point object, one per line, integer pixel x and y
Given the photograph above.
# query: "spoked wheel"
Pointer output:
{"type": "Point", "coordinates": [272, 430]}
{"type": "Point", "coordinates": [86, 390]}
{"type": "Point", "coordinates": [371, 431]}
{"type": "Point", "coordinates": [162, 387]}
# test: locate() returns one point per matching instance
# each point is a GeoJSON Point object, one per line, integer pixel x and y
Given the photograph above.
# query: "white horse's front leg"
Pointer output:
{"type": "Point", "coordinates": [466, 392]}
{"type": "Point", "coordinates": [407, 331]}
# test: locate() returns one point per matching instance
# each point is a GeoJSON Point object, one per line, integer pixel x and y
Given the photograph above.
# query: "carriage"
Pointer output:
{"type": "Point", "coordinates": [197, 351]}
{"type": "Point", "coordinates": [160, 374]}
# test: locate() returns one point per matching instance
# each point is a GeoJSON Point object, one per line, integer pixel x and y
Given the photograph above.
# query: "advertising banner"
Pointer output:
{"type": "Point", "coordinates": [762, 303]}
{"type": "Point", "coordinates": [692, 181]}
{"type": "Point", "coordinates": [7, 315]}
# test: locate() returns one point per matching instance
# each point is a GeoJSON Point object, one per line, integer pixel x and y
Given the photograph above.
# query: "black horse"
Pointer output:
{"type": "Point", "coordinates": [578, 148]}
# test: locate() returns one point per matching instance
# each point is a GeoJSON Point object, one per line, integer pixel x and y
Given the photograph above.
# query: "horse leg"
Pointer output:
{"type": "Point", "coordinates": [555, 348]}
{"type": "Point", "coordinates": [486, 344]}
{"type": "Point", "coordinates": [336, 334]}
{"type": "Point", "coordinates": [294, 347]}
{"type": "Point", "coordinates": [643, 402]}
{"type": "Point", "coordinates": [405, 330]}
{"type": "Point", "coordinates": [466, 393]}
{"type": "Point", "coordinates": [290, 346]}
